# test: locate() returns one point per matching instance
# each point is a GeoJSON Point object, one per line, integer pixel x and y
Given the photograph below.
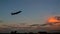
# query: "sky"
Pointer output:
{"type": "Point", "coordinates": [33, 11]}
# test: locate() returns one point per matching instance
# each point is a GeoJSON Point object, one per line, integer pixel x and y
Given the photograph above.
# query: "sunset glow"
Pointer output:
{"type": "Point", "coordinates": [52, 20]}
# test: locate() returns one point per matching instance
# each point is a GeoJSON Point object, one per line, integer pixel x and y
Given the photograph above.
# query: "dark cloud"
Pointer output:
{"type": "Point", "coordinates": [35, 25]}
{"type": "Point", "coordinates": [43, 24]}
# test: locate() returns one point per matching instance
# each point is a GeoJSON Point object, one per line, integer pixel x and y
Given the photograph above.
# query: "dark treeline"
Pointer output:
{"type": "Point", "coordinates": [15, 32]}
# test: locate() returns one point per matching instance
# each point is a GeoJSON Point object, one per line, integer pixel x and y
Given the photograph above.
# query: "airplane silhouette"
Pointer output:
{"type": "Point", "coordinates": [16, 13]}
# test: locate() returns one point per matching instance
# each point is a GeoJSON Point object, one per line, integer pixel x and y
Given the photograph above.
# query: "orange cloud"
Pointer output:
{"type": "Point", "coordinates": [53, 20]}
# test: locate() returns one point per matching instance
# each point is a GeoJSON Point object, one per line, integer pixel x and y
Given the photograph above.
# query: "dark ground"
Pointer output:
{"type": "Point", "coordinates": [15, 32]}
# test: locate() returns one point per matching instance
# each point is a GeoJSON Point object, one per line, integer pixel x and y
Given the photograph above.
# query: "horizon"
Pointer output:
{"type": "Point", "coordinates": [34, 13]}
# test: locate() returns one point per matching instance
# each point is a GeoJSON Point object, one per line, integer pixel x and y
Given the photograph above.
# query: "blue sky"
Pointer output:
{"type": "Point", "coordinates": [33, 11]}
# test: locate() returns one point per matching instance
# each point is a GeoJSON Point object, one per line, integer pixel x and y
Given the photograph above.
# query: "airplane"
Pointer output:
{"type": "Point", "coordinates": [16, 13]}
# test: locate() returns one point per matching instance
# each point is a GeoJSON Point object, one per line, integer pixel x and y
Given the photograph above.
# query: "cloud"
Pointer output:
{"type": "Point", "coordinates": [53, 27]}
{"type": "Point", "coordinates": [27, 27]}
{"type": "Point", "coordinates": [35, 25]}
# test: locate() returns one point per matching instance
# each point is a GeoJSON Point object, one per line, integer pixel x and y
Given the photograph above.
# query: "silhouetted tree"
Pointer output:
{"type": "Point", "coordinates": [30, 32]}
{"type": "Point", "coordinates": [12, 32]}
{"type": "Point", "coordinates": [25, 33]}
{"type": "Point", "coordinates": [15, 32]}
{"type": "Point", "coordinates": [42, 33]}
